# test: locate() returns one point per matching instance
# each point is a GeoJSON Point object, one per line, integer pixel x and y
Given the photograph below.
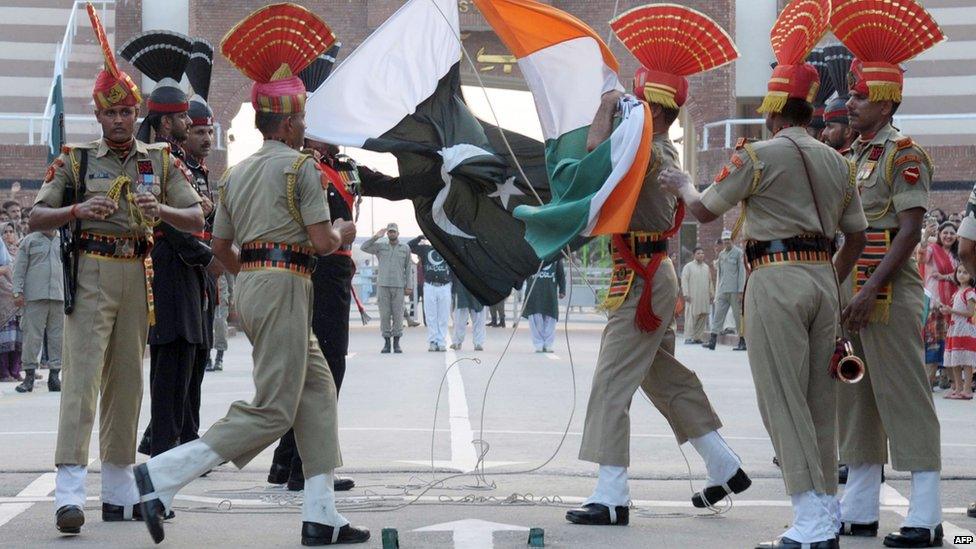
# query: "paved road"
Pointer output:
{"type": "Point", "coordinates": [391, 421]}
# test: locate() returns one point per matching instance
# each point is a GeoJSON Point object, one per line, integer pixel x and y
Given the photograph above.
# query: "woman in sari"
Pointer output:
{"type": "Point", "coordinates": [10, 335]}
{"type": "Point", "coordinates": [939, 259]}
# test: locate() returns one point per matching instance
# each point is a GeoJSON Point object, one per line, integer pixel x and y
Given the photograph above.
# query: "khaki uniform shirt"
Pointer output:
{"type": "Point", "coordinates": [394, 262]}
{"type": "Point", "coordinates": [731, 269]}
{"type": "Point", "coordinates": [254, 202]}
{"type": "Point", "coordinates": [143, 165]}
{"type": "Point", "coordinates": [37, 268]}
{"type": "Point", "coordinates": [769, 179]}
{"type": "Point", "coordinates": [655, 207]}
{"type": "Point", "coordinates": [893, 175]}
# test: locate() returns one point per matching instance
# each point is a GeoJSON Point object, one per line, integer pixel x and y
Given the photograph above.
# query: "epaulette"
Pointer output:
{"type": "Point", "coordinates": [741, 143]}
{"type": "Point", "coordinates": [904, 143]}
{"type": "Point", "coordinates": [158, 146]}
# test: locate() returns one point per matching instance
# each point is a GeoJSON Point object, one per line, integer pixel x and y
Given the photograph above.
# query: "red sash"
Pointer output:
{"type": "Point", "coordinates": [646, 320]}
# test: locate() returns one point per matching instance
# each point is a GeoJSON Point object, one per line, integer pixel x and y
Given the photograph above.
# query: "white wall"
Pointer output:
{"type": "Point", "coordinates": [753, 21]}
{"type": "Point", "coordinates": [173, 15]}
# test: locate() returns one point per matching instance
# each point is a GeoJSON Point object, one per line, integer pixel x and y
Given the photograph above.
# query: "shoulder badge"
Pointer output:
{"type": "Point", "coordinates": [722, 174]}
{"type": "Point", "coordinates": [52, 168]}
{"type": "Point", "coordinates": [904, 143]}
{"type": "Point", "coordinates": [911, 174]}
{"type": "Point", "coordinates": [741, 143]}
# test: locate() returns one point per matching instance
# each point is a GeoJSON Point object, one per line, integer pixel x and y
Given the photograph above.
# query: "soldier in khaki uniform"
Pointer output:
{"type": "Point", "coordinates": [273, 208]}
{"type": "Point", "coordinates": [891, 410]}
{"type": "Point", "coordinates": [796, 193]}
{"type": "Point", "coordinates": [129, 187]}
{"type": "Point", "coordinates": [637, 349]}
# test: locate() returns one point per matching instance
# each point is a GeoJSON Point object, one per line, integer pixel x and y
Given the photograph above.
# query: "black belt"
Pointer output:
{"type": "Point", "coordinates": [437, 283]}
{"type": "Point", "coordinates": [644, 248]}
{"type": "Point", "coordinates": [256, 258]}
{"type": "Point", "coordinates": [116, 247]}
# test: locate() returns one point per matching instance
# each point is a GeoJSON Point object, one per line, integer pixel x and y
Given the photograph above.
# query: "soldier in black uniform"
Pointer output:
{"type": "Point", "coordinates": [198, 144]}
{"type": "Point", "coordinates": [179, 259]}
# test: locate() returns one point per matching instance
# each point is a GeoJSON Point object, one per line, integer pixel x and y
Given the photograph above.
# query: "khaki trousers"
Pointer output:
{"type": "Point", "coordinates": [894, 400]}
{"type": "Point", "coordinates": [104, 342]}
{"type": "Point", "coordinates": [294, 386]}
{"type": "Point", "coordinates": [722, 303]}
{"type": "Point", "coordinates": [390, 300]}
{"type": "Point", "coordinates": [695, 325]}
{"type": "Point", "coordinates": [41, 315]}
{"type": "Point", "coordinates": [791, 324]}
{"type": "Point", "coordinates": [630, 358]}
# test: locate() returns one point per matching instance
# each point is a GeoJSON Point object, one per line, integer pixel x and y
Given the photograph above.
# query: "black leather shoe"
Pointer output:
{"type": "Point", "coordinates": [116, 513]}
{"type": "Point", "coordinates": [599, 515]}
{"type": "Point", "coordinates": [278, 473]}
{"type": "Point", "coordinates": [396, 345]}
{"type": "Point", "coordinates": [856, 530]}
{"type": "Point", "coordinates": [915, 537]}
{"type": "Point", "coordinates": [343, 484]}
{"type": "Point", "coordinates": [314, 533]}
{"type": "Point", "coordinates": [739, 482]}
{"type": "Point", "coordinates": [787, 543]}
{"type": "Point", "coordinates": [712, 340]}
{"type": "Point", "coordinates": [152, 511]}
{"type": "Point", "coordinates": [70, 518]}
{"type": "Point", "coordinates": [972, 510]}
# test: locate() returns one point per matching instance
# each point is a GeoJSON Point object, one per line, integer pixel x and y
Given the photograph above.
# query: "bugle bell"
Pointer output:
{"type": "Point", "coordinates": [845, 365]}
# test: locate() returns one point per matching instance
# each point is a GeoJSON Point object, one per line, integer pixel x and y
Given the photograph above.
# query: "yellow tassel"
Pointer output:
{"type": "Point", "coordinates": [885, 91]}
{"type": "Point", "coordinates": [773, 102]}
{"type": "Point", "coordinates": [284, 71]}
{"type": "Point", "coordinates": [661, 97]}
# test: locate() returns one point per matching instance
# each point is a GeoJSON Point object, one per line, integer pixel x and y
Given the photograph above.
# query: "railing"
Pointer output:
{"type": "Point", "coordinates": [64, 55]}
{"type": "Point", "coordinates": [42, 123]}
{"type": "Point", "coordinates": [727, 125]}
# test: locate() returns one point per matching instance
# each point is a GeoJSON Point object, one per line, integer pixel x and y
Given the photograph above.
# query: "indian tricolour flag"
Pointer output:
{"type": "Point", "coordinates": [568, 68]}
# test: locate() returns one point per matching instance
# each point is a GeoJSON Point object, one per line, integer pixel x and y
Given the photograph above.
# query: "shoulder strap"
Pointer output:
{"type": "Point", "coordinates": [816, 204]}
{"type": "Point", "coordinates": [291, 182]}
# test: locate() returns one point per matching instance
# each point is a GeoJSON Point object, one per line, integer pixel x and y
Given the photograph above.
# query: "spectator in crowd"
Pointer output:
{"type": "Point", "coordinates": [11, 237]}
{"type": "Point", "coordinates": [938, 214]}
{"type": "Point", "coordinates": [12, 209]}
{"type": "Point", "coordinates": [545, 288]}
{"type": "Point", "coordinates": [730, 283]}
{"type": "Point", "coordinates": [467, 307]}
{"type": "Point", "coordinates": [955, 218]}
{"type": "Point", "coordinates": [939, 260]}
{"type": "Point", "coordinates": [437, 292]}
{"type": "Point", "coordinates": [698, 291]}
{"type": "Point", "coordinates": [38, 289]}
{"type": "Point", "coordinates": [394, 274]}
{"type": "Point", "coordinates": [10, 336]}
{"type": "Point", "coordinates": [961, 341]}
{"type": "Point", "coordinates": [4, 217]}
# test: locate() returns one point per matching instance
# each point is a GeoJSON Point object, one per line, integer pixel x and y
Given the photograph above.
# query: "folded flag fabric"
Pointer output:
{"type": "Point", "coordinates": [399, 92]}
{"type": "Point", "coordinates": [568, 68]}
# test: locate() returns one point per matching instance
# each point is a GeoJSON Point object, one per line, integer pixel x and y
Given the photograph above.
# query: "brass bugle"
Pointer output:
{"type": "Point", "coordinates": [850, 369]}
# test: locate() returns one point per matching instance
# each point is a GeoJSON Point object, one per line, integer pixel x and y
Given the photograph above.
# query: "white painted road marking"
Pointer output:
{"type": "Point", "coordinates": [472, 533]}
{"type": "Point", "coordinates": [40, 487]}
{"type": "Point", "coordinates": [899, 504]}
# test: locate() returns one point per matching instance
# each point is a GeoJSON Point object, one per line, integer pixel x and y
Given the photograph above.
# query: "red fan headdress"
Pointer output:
{"type": "Point", "coordinates": [113, 87]}
{"type": "Point", "coordinates": [882, 35]}
{"type": "Point", "coordinates": [797, 30]}
{"type": "Point", "coordinates": [671, 42]}
{"type": "Point", "coordinates": [271, 46]}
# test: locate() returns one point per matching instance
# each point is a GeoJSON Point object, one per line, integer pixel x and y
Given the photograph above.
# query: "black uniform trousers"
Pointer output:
{"type": "Point", "coordinates": [170, 373]}
{"type": "Point", "coordinates": [331, 290]}
{"type": "Point", "coordinates": [191, 416]}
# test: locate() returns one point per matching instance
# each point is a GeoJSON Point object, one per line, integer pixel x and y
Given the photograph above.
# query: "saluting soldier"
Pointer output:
{"type": "Point", "coordinates": [637, 348]}
{"type": "Point", "coordinates": [118, 188]}
{"type": "Point", "coordinates": [179, 260]}
{"type": "Point", "coordinates": [273, 209]}
{"type": "Point", "coordinates": [891, 410]}
{"type": "Point", "coordinates": [796, 193]}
